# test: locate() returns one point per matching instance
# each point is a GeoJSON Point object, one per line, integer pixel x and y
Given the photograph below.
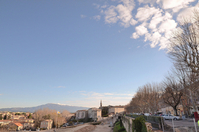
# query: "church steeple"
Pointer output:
{"type": "Point", "coordinates": [100, 103]}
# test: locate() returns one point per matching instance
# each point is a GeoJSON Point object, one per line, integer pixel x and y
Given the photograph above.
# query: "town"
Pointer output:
{"type": "Point", "coordinates": [46, 119]}
{"type": "Point", "coordinates": [106, 116]}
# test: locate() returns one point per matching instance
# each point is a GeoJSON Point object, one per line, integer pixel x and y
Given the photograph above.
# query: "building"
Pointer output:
{"type": "Point", "coordinates": [115, 110]}
{"type": "Point", "coordinates": [18, 117]}
{"type": "Point", "coordinates": [170, 110]}
{"type": "Point", "coordinates": [19, 126]}
{"type": "Point", "coordinates": [46, 124]}
{"type": "Point", "coordinates": [4, 122]}
{"type": "Point", "coordinates": [104, 110]}
{"type": "Point", "coordinates": [28, 125]}
{"type": "Point", "coordinates": [110, 110]}
{"type": "Point", "coordinates": [94, 113]}
{"type": "Point", "coordinates": [81, 114]}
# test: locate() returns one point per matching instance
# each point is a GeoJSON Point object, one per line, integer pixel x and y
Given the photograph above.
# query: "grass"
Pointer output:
{"type": "Point", "coordinates": [118, 128]}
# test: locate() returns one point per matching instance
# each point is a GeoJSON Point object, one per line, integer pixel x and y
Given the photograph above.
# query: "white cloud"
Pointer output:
{"type": "Point", "coordinates": [156, 23]}
{"type": "Point", "coordinates": [141, 30]}
{"type": "Point", "coordinates": [60, 104]}
{"type": "Point", "coordinates": [133, 22]}
{"type": "Point", "coordinates": [97, 17]}
{"type": "Point", "coordinates": [82, 16]}
{"type": "Point", "coordinates": [176, 5]}
{"type": "Point", "coordinates": [104, 6]}
{"type": "Point", "coordinates": [146, 12]}
{"type": "Point", "coordinates": [147, 1]}
{"type": "Point", "coordinates": [160, 24]}
{"type": "Point", "coordinates": [111, 15]}
{"type": "Point", "coordinates": [154, 38]}
{"type": "Point", "coordinates": [92, 99]}
{"type": "Point", "coordinates": [122, 13]}
{"type": "Point", "coordinates": [187, 13]}
{"type": "Point", "coordinates": [108, 93]}
{"type": "Point", "coordinates": [167, 26]}
{"type": "Point", "coordinates": [135, 35]}
{"type": "Point", "coordinates": [157, 18]}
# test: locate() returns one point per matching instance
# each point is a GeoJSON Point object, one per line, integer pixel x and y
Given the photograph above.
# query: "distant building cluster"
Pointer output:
{"type": "Point", "coordinates": [13, 121]}
{"type": "Point", "coordinates": [96, 114]}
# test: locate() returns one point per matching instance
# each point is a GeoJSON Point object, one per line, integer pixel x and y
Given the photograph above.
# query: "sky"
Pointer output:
{"type": "Point", "coordinates": [78, 52]}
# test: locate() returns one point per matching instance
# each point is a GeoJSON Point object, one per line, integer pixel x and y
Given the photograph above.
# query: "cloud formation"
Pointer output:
{"type": "Point", "coordinates": [154, 20]}
{"type": "Point", "coordinates": [82, 16]}
{"type": "Point", "coordinates": [109, 98]}
{"type": "Point", "coordinates": [97, 17]}
{"type": "Point", "coordinates": [121, 13]}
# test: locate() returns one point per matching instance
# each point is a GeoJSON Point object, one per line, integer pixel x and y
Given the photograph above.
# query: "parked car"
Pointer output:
{"type": "Point", "coordinates": [75, 123]}
{"type": "Point", "coordinates": [66, 124]}
{"type": "Point", "coordinates": [147, 114]}
{"type": "Point", "coordinates": [169, 117]}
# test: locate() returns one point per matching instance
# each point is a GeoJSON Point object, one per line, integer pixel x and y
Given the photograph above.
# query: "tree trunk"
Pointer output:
{"type": "Point", "coordinates": [176, 111]}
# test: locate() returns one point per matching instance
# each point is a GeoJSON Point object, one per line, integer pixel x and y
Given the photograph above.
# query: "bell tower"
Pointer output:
{"type": "Point", "coordinates": [100, 103]}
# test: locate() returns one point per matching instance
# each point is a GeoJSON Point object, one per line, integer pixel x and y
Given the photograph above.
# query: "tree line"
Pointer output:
{"type": "Point", "coordinates": [181, 84]}
{"type": "Point", "coordinates": [57, 118]}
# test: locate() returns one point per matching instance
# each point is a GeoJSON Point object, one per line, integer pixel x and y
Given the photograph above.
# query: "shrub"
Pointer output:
{"type": "Point", "coordinates": [151, 119]}
{"type": "Point", "coordinates": [96, 123]}
{"type": "Point", "coordinates": [139, 124]}
{"type": "Point", "coordinates": [118, 127]}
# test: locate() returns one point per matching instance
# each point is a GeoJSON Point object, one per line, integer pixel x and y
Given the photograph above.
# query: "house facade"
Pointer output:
{"type": "Point", "coordinates": [94, 113]}
{"type": "Point", "coordinates": [115, 110]}
{"type": "Point", "coordinates": [46, 124]}
{"type": "Point", "coordinates": [81, 114]}
{"type": "Point", "coordinates": [4, 122]}
{"type": "Point", "coordinates": [19, 126]}
{"type": "Point", "coordinates": [18, 117]}
{"type": "Point", "coordinates": [28, 125]}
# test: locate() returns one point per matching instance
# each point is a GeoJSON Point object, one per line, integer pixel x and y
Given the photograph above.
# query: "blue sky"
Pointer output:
{"type": "Point", "coordinates": [78, 52]}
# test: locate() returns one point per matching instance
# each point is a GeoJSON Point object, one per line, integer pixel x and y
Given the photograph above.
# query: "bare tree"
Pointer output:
{"type": "Point", "coordinates": [46, 113]}
{"type": "Point", "coordinates": [185, 47]}
{"type": "Point", "coordinates": [190, 83]}
{"type": "Point", "coordinates": [146, 99]}
{"type": "Point", "coordinates": [172, 92]}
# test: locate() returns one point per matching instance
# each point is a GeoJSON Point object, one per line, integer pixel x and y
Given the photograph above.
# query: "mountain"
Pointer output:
{"type": "Point", "coordinates": [52, 106]}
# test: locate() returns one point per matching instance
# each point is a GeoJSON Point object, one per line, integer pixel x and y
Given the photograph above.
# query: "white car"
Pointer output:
{"type": "Point", "coordinates": [169, 117]}
{"type": "Point", "coordinates": [147, 114]}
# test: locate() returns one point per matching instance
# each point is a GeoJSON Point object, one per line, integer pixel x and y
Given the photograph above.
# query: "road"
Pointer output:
{"type": "Point", "coordinates": [103, 127]}
{"type": "Point", "coordinates": [180, 123]}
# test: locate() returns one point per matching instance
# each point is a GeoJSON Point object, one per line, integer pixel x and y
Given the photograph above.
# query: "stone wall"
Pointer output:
{"type": "Point", "coordinates": [127, 122]}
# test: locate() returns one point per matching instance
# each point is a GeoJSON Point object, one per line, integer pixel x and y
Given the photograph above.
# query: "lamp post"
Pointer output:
{"type": "Point", "coordinates": [56, 118]}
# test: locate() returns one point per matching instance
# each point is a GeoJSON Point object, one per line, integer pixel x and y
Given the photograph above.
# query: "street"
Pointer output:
{"type": "Point", "coordinates": [181, 123]}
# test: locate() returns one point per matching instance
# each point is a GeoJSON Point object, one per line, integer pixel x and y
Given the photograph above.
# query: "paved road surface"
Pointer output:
{"type": "Point", "coordinates": [103, 128]}
{"type": "Point", "coordinates": [180, 123]}
{"type": "Point", "coordinates": [73, 129]}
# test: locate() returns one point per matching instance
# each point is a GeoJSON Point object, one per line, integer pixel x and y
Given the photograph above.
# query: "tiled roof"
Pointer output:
{"type": "Point", "coordinates": [48, 120]}
{"type": "Point", "coordinates": [81, 110]}
{"type": "Point", "coordinates": [5, 120]}
{"type": "Point", "coordinates": [18, 124]}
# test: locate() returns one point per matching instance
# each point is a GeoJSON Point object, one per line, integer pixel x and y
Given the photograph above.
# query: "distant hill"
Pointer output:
{"type": "Point", "coordinates": [52, 106]}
